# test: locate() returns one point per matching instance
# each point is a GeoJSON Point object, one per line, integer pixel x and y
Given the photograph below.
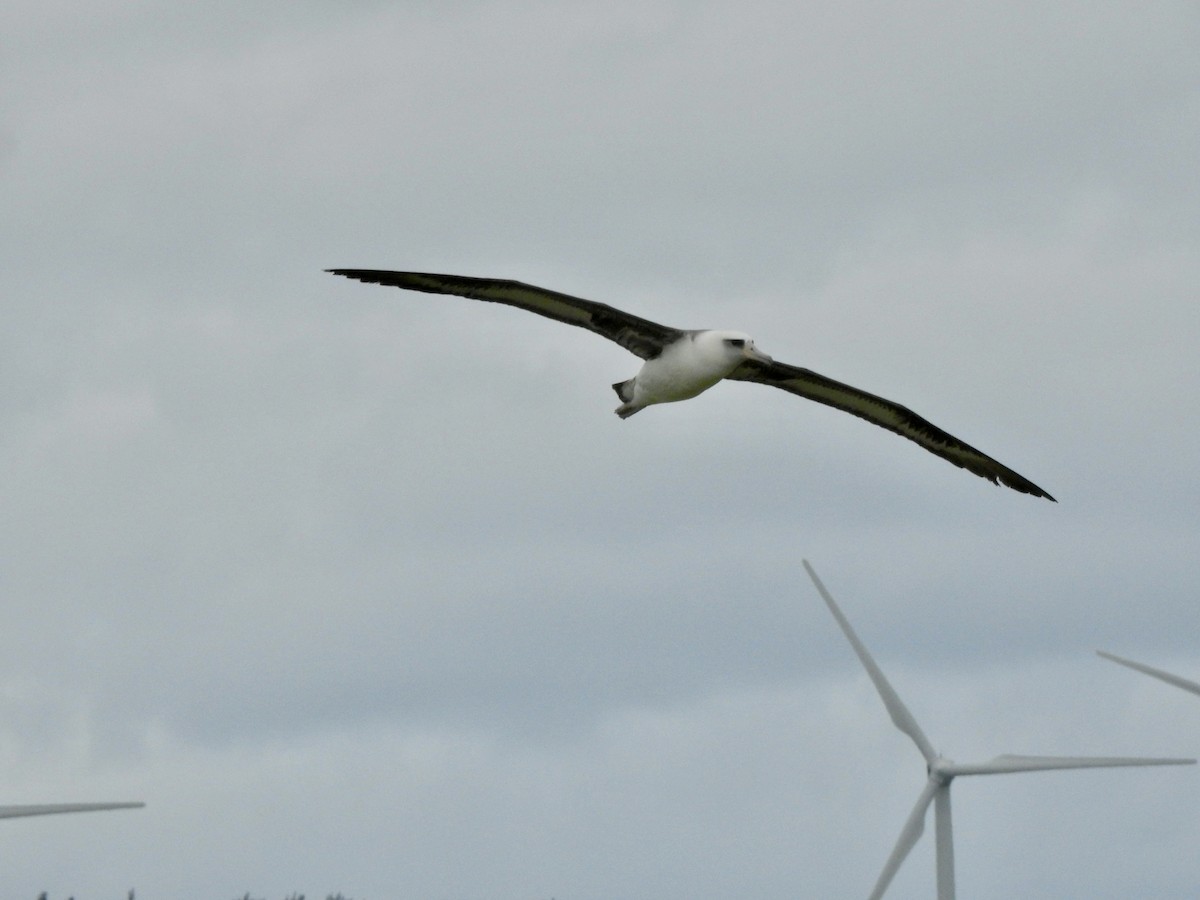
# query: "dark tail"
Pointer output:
{"type": "Point", "coordinates": [624, 390]}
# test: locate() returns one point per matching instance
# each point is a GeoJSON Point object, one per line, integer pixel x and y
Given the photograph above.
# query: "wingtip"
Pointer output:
{"type": "Point", "coordinates": [1038, 492]}
{"type": "Point", "coordinates": [1024, 485]}
{"type": "Point", "coordinates": [357, 274]}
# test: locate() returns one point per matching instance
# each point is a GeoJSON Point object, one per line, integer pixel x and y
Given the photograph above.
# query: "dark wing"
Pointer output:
{"type": "Point", "coordinates": [639, 336]}
{"type": "Point", "coordinates": [886, 414]}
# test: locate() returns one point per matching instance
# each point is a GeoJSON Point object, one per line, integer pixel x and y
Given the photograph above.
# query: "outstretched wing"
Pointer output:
{"type": "Point", "coordinates": [886, 414]}
{"type": "Point", "coordinates": [639, 336]}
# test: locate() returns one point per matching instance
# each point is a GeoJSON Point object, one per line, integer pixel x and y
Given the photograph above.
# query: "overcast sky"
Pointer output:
{"type": "Point", "coordinates": [369, 591]}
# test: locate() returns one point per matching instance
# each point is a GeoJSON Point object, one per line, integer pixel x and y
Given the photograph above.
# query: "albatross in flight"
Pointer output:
{"type": "Point", "coordinates": [680, 364]}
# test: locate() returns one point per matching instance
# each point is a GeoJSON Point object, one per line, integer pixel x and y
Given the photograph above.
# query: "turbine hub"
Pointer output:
{"type": "Point", "coordinates": [941, 769]}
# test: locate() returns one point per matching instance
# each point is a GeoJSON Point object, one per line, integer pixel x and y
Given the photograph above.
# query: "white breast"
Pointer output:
{"type": "Point", "coordinates": [686, 368]}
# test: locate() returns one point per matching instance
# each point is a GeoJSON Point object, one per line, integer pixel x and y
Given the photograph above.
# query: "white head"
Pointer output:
{"type": "Point", "coordinates": [737, 346]}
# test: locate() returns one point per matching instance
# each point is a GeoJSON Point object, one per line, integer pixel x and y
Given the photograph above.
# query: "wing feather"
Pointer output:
{"type": "Point", "coordinates": [637, 335]}
{"type": "Point", "coordinates": [886, 414]}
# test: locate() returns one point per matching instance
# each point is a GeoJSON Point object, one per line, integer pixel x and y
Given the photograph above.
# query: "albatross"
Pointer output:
{"type": "Point", "coordinates": [681, 363]}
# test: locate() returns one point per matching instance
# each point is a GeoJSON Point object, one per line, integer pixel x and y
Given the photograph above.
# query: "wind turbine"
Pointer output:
{"type": "Point", "coordinates": [942, 771]}
{"type": "Point", "coordinates": [1153, 672]}
{"type": "Point", "coordinates": [50, 809]}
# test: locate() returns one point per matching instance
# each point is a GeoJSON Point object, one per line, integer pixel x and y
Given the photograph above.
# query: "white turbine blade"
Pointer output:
{"type": "Point", "coordinates": [914, 827]}
{"type": "Point", "coordinates": [1192, 686]}
{"type": "Point", "coordinates": [944, 835]}
{"type": "Point", "coordinates": [1010, 763]}
{"type": "Point", "coordinates": [895, 706]}
{"type": "Point", "coordinates": [50, 809]}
